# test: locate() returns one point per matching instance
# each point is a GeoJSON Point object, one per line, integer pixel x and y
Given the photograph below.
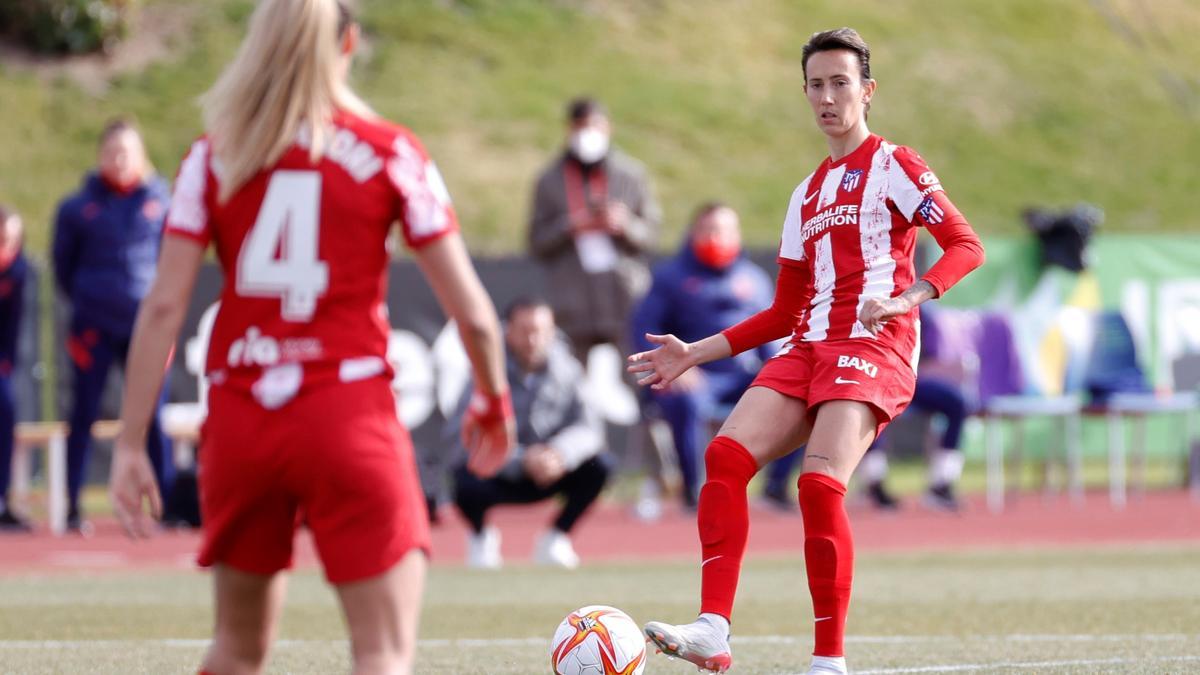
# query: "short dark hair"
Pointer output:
{"type": "Point", "coordinates": [706, 209]}
{"type": "Point", "coordinates": [584, 107]}
{"type": "Point", "coordinates": [115, 126]}
{"type": "Point", "coordinates": [522, 303]}
{"type": "Point", "coordinates": [838, 38]}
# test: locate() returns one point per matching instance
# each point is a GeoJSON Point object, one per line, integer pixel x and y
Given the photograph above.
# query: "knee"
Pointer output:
{"type": "Point", "coordinates": [597, 469]}
{"type": "Point", "coordinates": [725, 459]}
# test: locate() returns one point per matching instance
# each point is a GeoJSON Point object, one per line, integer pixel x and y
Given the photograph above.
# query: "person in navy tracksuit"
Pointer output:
{"type": "Point", "coordinates": [13, 272]}
{"type": "Point", "coordinates": [707, 286]}
{"type": "Point", "coordinates": [106, 241]}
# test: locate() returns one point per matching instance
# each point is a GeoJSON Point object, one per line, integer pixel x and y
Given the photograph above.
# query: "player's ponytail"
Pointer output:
{"type": "Point", "coordinates": [283, 80]}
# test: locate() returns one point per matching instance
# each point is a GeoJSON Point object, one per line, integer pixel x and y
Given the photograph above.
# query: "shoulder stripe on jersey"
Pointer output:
{"type": "Point", "coordinates": [905, 193]}
{"type": "Point", "coordinates": [875, 239]}
{"type": "Point", "coordinates": [791, 244]}
{"type": "Point", "coordinates": [188, 212]}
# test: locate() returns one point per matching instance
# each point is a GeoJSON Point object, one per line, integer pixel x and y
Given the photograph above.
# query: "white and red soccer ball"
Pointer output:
{"type": "Point", "coordinates": [598, 640]}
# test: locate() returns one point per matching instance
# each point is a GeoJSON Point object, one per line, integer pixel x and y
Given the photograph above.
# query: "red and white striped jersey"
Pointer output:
{"type": "Point", "coordinates": [852, 223]}
{"type": "Point", "coordinates": [303, 247]}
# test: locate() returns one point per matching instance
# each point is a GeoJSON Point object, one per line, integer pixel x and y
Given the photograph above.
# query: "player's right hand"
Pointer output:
{"type": "Point", "coordinates": [658, 367]}
{"type": "Point", "coordinates": [131, 484]}
{"type": "Point", "coordinates": [489, 432]}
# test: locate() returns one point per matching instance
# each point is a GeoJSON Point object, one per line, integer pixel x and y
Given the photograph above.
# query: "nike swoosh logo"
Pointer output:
{"type": "Point", "coordinates": [711, 559]}
{"type": "Point", "coordinates": [839, 380]}
{"type": "Point", "coordinates": [823, 618]}
{"type": "Point", "coordinates": [811, 197]}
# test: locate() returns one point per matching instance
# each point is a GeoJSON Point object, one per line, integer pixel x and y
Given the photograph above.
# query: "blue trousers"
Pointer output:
{"type": "Point", "coordinates": [8, 420]}
{"type": "Point", "coordinates": [688, 414]}
{"type": "Point", "coordinates": [939, 397]}
{"type": "Point", "coordinates": [93, 353]}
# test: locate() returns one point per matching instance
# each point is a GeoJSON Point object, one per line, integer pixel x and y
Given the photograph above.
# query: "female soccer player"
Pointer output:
{"type": "Point", "coordinates": [297, 185]}
{"type": "Point", "coordinates": [847, 295]}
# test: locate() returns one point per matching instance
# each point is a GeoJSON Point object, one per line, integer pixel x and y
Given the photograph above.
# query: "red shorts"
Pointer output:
{"type": "Point", "coordinates": [844, 370]}
{"type": "Point", "coordinates": [335, 458]}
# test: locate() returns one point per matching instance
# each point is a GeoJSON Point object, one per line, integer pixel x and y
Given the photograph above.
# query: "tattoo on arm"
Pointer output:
{"type": "Point", "coordinates": [919, 292]}
{"type": "Point", "coordinates": [819, 457]}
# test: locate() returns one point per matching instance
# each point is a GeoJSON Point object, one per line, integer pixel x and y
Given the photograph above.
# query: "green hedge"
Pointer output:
{"type": "Point", "coordinates": [66, 26]}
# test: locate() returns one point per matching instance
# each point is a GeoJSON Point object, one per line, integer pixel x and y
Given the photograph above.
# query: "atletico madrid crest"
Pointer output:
{"type": "Point", "coordinates": [851, 179]}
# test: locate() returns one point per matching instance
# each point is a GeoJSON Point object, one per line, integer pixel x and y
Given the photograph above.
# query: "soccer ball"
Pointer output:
{"type": "Point", "coordinates": [598, 640]}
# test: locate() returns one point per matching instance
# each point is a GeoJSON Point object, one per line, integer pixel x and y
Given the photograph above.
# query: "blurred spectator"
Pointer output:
{"type": "Point", "coordinates": [560, 442]}
{"type": "Point", "coordinates": [706, 287]}
{"type": "Point", "coordinates": [594, 221]}
{"type": "Point", "coordinates": [13, 272]}
{"type": "Point", "coordinates": [106, 239]}
{"type": "Point", "coordinates": [1064, 237]}
{"type": "Point", "coordinates": [938, 392]}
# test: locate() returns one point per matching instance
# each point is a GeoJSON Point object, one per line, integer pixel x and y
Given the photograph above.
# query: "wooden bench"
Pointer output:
{"type": "Point", "coordinates": [52, 437]}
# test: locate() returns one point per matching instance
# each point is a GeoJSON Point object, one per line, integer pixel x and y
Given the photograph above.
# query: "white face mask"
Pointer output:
{"type": "Point", "coordinates": [589, 145]}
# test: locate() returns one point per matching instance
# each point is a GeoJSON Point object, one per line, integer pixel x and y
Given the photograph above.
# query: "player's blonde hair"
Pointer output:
{"type": "Point", "coordinates": [284, 79]}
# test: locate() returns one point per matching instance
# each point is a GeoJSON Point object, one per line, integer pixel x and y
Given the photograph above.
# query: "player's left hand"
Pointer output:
{"type": "Point", "coordinates": [875, 312]}
{"type": "Point", "coordinates": [131, 484]}
{"type": "Point", "coordinates": [489, 432]}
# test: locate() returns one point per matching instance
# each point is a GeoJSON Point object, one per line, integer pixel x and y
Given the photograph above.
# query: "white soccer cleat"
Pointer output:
{"type": "Point", "coordinates": [698, 643]}
{"type": "Point", "coordinates": [555, 550]}
{"type": "Point", "coordinates": [828, 665]}
{"type": "Point", "coordinates": [483, 550]}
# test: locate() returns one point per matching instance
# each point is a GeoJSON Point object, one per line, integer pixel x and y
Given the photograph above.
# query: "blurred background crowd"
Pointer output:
{"type": "Point", "coordinates": [1077, 324]}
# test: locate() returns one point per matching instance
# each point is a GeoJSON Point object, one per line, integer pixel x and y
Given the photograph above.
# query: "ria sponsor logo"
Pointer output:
{"type": "Point", "coordinates": [863, 365]}
{"type": "Point", "coordinates": [256, 349]}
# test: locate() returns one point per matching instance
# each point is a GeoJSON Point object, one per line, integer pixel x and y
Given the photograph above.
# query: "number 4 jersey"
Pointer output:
{"type": "Point", "coordinates": [303, 247]}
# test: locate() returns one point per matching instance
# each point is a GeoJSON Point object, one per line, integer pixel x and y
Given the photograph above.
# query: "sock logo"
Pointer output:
{"type": "Point", "coordinates": [858, 364]}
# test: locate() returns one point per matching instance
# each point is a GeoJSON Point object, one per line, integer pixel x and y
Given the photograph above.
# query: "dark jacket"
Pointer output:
{"type": "Point", "coordinates": [106, 250]}
{"type": "Point", "coordinates": [691, 301]}
{"type": "Point", "coordinates": [12, 293]}
{"type": "Point", "coordinates": [594, 305]}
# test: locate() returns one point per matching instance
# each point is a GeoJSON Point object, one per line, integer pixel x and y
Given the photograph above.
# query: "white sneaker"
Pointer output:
{"type": "Point", "coordinates": [828, 665]}
{"type": "Point", "coordinates": [483, 550]}
{"type": "Point", "coordinates": [699, 643]}
{"type": "Point", "coordinates": [554, 549]}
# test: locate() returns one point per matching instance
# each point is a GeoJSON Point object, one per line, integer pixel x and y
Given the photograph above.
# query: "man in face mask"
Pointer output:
{"type": "Point", "coordinates": [707, 286]}
{"type": "Point", "coordinates": [593, 222]}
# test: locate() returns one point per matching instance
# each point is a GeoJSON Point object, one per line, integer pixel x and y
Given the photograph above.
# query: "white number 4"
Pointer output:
{"type": "Point", "coordinates": [279, 257]}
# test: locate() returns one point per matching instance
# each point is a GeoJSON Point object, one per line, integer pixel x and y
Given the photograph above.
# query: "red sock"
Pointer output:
{"type": "Point", "coordinates": [828, 557]}
{"type": "Point", "coordinates": [724, 520]}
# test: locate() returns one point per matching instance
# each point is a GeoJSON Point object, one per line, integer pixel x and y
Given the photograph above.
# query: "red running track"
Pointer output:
{"type": "Point", "coordinates": [609, 532]}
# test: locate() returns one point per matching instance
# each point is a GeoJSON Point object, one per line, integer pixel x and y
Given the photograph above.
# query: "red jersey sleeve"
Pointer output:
{"type": "Point", "coordinates": [188, 215]}
{"type": "Point", "coordinates": [781, 318]}
{"type": "Point", "coordinates": [423, 205]}
{"type": "Point", "coordinates": [918, 195]}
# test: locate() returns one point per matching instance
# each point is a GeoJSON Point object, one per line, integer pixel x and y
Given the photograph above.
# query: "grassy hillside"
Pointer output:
{"type": "Point", "coordinates": [1013, 103]}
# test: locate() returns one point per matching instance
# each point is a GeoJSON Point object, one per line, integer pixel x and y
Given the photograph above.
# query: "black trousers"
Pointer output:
{"type": "Point", "coordinates": [579, 488]}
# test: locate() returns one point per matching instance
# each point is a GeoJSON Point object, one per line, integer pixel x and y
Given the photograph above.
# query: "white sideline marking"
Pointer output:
{"type": "Point", "coordinates": [966, 667]}
{"type": "Point", "coordinates": [481, 643]}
